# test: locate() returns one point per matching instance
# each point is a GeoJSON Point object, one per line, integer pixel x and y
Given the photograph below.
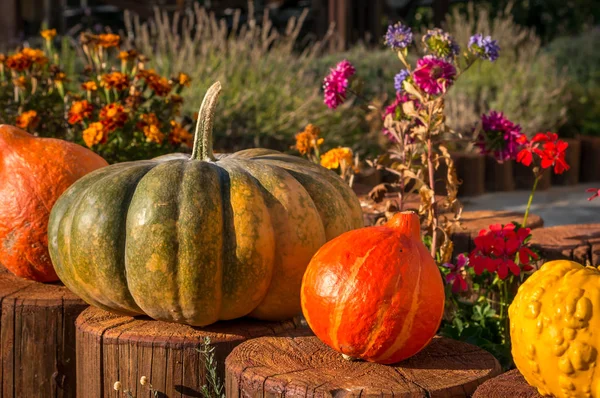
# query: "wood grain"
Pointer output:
{"type": "Point", "coordinates": [114, 348]}
{"type": "Point", "coordinates": [579, 243]}
{"type": "Point", "coordinates": [474, 221]}
{"type": "Point", "coordinates": [298, 364]}
{"type": "Point", "coordinates": [510, 384]}
{"type": "Point", "coordinates": [37, 338]}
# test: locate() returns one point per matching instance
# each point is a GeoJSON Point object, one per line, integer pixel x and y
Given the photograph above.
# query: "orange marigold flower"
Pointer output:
{"type": "Point", "coordinates": [153, 134]}
{"type": "Point", "coordinates": [308, 139]}
{"type": "Point", "coordinates": [129, 55]}
{"type": "Point", "coordinates": [60, 77]}
{"type": "Point", "coordinates": [149, 118]}
{"type": "Point", "coordinates": [35, 55]}
{"type": "Point", "coordinates": [113, 116]}
{"type": "Point", "coordinates": [19, 62]}
{"type": "Point", "coordinates": [48, 34]}
{"type": "Point", "coordinates": [95, 134]}
{"type": "Point", "coordinates": [179, 135]}
{"type": "Point", "coordinates": [2, 58]}
{"type": "Point", "coordinates": [28, 119]}
{"type": "Point", "coordinates": [160, 86]}
{"type": "Point", "coordinates": [89, 86]}
{"type": "Point", "coordinates": [108, 40]}
{"type": "Point", "coordinates": [20, 82]}
{"type": "Point", "coordinates": [117, 80]}
{"type": "Point", "coordinates": [80, 110]}
{"type": "Point", "coordinates": [183, 79]}
{"type": "Point", "coordinates": [337, 157]}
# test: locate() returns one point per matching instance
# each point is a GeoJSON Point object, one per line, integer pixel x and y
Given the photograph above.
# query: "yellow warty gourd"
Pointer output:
{"type": "Point", "coordinates": [555, 330]}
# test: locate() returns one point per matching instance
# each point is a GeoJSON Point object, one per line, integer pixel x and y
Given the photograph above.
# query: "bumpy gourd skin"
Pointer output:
{"type": "Point", "coordinates": [555, 330]}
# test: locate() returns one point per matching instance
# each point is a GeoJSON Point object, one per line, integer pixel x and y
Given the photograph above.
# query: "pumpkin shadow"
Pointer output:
{"type": "Point", "coordinates": [444, 354]}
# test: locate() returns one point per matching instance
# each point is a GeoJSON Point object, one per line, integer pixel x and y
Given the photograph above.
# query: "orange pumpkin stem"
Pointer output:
{"type": "Point", "coordinates": [406, 222]}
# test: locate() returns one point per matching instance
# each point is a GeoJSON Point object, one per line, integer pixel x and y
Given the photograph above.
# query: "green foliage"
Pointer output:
{"type": "Point", "coordinates": [269, 91]}
{"type": "Point", "coordinates": [579, 58]}
{"type": "Point", "coordinates": [214, 386]}
{"type": "Point", "coordinates": [523, 83]}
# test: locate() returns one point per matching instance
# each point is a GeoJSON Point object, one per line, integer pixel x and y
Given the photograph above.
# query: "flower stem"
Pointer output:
{"type": "Point", "coordinates": [433, 204]}
{"type": "Point", "coordinates": [535, 182]}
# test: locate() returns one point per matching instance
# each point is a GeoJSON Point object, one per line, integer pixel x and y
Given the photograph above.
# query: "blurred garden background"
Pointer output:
{"type": "Point", "coordinates": [272, 55]}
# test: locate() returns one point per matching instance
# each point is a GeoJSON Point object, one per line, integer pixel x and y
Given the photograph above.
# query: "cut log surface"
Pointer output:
{"type": "Point", "coordinates": [510, 384]}
{"type": "Point", "coordinates": [298, 364]}
{"type": "Point", "coordinates": [37, 338]}
{"type": "Point", "coordinates": [579, 242]}
{"type": "Point", "coordinates": [114, 348]}
{"type": "Point", "coordinates": [474, 221]}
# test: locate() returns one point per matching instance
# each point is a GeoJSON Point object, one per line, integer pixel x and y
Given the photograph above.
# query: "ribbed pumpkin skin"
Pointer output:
{"type": "Point", "coordinates": [34, 172]}
{"type": "Point", "coordinates": [196, 241]}
{"type": "Point", "coordinates": [375, 293]}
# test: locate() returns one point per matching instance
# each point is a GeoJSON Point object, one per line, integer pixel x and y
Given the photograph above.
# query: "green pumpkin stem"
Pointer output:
{"type": "Point", "coordinates": [203, 140]}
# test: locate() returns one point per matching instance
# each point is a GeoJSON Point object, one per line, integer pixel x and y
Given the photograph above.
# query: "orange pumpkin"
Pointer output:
{"type": "Point", "coordinates": [34, 172]}
{"type": "Point", "coordinates": [375, 293]}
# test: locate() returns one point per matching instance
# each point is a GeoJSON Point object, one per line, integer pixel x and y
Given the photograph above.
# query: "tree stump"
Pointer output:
{"type": "Point", "coordinates": [474, 221]}
{"type": "Point", "coordinates": [37, 338]}
{"type": "Point", "coordinates": [524, 178]}
{"type": "Point", "coordinates": [510, 384]}
{"type": "Point", "coordinates": [573, 158]}
{"type": "Point", "coordinates": [579, 243]}
{"type": "Point", "coordinates": [471, 170]}
{"type": "Point", "coordinates": [499, 177]}
{"type": "Point", "coordinates": [114, 348]}
{"type": "Point", "coordinates": [298, 364]}
{"type": "Point", "coordinates": [590, 159]}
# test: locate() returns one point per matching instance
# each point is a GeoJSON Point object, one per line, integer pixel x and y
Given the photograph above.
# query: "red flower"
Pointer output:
{"type": "Point", "coordinates": [498, 250]}
{"type": "Point", "coordinates": [596, 193]}
{"type": "Point", "coordinates": [549, 149]}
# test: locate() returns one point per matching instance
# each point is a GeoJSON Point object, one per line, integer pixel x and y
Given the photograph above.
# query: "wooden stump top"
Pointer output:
{"type": "Point", "coordinates": [114, 348]}
{"type": "Point", "coordinates": [298, 364]}
{"type": "Point", "coordinates": [579, 242]}
{"type": "Point", "coordinates": [30, 293]}
{"type": "Point", "coordinates": [510, 384]}
{"type": "Point", "coordinates": [37, 338]}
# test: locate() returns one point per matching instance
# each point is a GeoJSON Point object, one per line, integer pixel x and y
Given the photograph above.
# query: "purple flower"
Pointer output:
{"type": "Point", "coordinates": [335, 84]}
{"type": "Point", "coordinates": [398, 36]}
{"type": "Point", "coordinates": [434, 75]}
{"type": "Point", "coordinates": [440, 44]}
{"type": "Point", "coordinates": [455, 277]}
{"type": "Point", "coordinates": [484, 47]}
{"type": "Point", "coordinates": [399, 79]}
{"type": "Point", "coordinates": [499, 136]}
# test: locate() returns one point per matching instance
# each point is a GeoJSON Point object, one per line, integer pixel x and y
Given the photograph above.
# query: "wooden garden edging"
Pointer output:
{"type": "Point", "coordinates": [510, 384]}
{"type": "Point", "coordinates": [474, 221]}
{"type": "Point", "coordinates": [37, 338]}
{"type": "Point", "coordinates": [114, 348]}
{"type": "Point", "coordinates": [579, 243]}
{"type": "Point", "coordinates": [298, 364]}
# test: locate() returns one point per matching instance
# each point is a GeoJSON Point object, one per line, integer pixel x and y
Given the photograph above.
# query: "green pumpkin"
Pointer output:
{"type": "Point", "coordinates": [198, 239]}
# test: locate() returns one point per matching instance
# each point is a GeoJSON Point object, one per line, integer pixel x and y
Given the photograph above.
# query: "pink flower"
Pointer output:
{"type": "Point", "coordinates": [456, 275]}
{"type": "Point", "coordinates": [336, 83]}
{"type": "Point", "coordinates": [434, 75]}
{"type": "Point", "coordinates": [499, 136]}
{"type": "Point", "coordinates": [595, 193]}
